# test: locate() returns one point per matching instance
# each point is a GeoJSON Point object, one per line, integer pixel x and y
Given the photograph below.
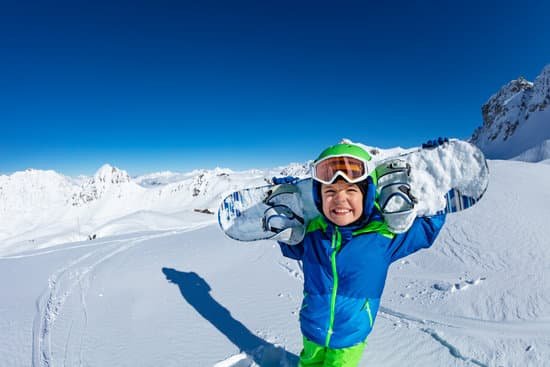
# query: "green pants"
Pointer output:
{"type": "Point", "coordinates": [315, 355]}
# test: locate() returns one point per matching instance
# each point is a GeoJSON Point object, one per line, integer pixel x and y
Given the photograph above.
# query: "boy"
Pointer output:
{"type": "Point", "coordinates": [346, 254]}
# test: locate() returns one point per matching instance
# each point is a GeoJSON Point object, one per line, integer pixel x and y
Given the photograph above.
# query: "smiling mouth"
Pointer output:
{"type": "Point", "coordinates": [341, 211]}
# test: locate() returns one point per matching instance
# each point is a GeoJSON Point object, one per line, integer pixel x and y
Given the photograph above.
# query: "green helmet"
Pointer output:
{"type": "Point", "coordinates": [345, 149]}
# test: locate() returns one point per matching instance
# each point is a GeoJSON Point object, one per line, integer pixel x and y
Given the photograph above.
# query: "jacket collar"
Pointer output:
{"type": "Point", "coordinates": [345, 231]}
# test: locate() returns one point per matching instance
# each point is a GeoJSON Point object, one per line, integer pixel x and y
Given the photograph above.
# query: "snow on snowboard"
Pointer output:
{"type": "Point", "coordinates": [420, 182]}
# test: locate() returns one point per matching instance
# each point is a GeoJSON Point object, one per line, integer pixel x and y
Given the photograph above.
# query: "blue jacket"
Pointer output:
{"type": "Point", "coordinates": [345, 271]}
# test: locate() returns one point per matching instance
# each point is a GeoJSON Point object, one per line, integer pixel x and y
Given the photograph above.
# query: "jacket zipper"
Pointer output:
{"type": "Point", "coordinates": [367, 307]}
{"type": "Point", "coordinates": [336, 242]}
{"type": "Point", "coordinates": [304, 304]}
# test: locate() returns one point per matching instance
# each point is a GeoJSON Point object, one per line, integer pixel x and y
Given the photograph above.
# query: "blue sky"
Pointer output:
{"type": "Point", "coordinates": [180, 85]}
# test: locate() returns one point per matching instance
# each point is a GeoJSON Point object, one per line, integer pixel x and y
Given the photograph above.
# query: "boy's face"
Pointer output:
{"type": "Point", "coordinates": [342, 202]}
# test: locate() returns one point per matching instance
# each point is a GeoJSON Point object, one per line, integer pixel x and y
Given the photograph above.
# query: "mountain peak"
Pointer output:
{"type": "Point", "coordinates": [104, 179]}
{"type": "Point", "coordinates": [516, 118]}
{"type": "Point", "coordinates": [110, 174]}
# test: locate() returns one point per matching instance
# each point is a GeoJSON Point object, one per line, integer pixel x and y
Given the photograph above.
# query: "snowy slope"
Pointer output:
{"type": "Point", "coordinates": [537, 153]}
{"type": "Point", "coordinates": [191, 297]}
{"type": "Point", "coordinates": [516, 118]}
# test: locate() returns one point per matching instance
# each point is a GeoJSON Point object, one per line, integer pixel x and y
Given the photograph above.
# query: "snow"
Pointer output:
{"type": "Point", "coordinates": [177, 292]}
{"type": "Point", "coordinates": [537, 153]}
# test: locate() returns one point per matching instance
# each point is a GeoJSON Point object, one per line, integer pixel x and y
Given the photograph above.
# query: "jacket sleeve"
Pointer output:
{"type": "Point", "coordinates": [292, 251]}
{"type": "Point", "coordinates": [422, 234]}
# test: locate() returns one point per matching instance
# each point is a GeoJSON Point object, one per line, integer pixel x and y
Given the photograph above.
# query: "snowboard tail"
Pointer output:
{"type": "Point", "coordinates": [242, 214]}
{"type": "Point", "coordinates": [456, 202]}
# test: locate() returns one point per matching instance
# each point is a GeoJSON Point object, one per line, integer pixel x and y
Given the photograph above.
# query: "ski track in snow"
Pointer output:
{"type": "Point", "coordinates": [63, 283]}
{"type": "Point", "coordinates": [453, 350]}
{"type": "Point", "coordinates": [460, 246]}
{"type": "Point", "coordinates": [509, 329]}
{"type": "Point", "coordinates": [467, 326]}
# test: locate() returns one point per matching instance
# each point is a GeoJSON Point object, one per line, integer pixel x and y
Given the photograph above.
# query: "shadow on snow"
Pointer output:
{"type": "Point", "coordinates": [196, 291]}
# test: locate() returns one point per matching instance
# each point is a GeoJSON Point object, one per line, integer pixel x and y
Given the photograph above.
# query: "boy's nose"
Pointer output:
{"type": "Point", "coordinates": [340, 195]}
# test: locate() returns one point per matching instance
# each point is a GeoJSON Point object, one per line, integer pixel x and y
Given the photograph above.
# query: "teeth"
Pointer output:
{"type": "Point", "coordinates": [342, 211]}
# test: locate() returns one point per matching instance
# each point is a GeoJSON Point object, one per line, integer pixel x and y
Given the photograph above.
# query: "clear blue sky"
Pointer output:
{"type": "Point", "coordinates": [180, 85]}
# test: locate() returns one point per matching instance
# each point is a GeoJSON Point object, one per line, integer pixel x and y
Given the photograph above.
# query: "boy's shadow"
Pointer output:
{"type": "Point", "coordinates": [196, 291]}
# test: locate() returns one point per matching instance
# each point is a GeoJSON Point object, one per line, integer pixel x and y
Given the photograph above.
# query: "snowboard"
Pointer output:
{"type": "Point", "coordinates": [419, 182]}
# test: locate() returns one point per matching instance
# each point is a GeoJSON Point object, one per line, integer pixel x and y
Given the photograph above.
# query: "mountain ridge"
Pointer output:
{"type": "Point", "coordinates": [516, 118]}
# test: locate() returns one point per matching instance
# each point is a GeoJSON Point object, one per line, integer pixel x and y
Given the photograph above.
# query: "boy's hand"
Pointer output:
{"type": "Point", "coordinates": [397, 204]}
{"type": "Point", "coordinates": [430, 144]}
{"type": "Point", "coordinates": [286, 225]}
{"type": "Point", "coordinates": [285, 180]}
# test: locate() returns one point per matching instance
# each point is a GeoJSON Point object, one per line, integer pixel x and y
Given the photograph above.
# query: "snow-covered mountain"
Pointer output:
{"type": "Point", "coordinates": [42, 208]}
{"type": "Point", "coordinates": [516, 119]}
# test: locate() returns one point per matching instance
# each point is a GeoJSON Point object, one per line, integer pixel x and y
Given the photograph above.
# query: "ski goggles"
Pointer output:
{"type": "Point", "coordinates": [351, 169]}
